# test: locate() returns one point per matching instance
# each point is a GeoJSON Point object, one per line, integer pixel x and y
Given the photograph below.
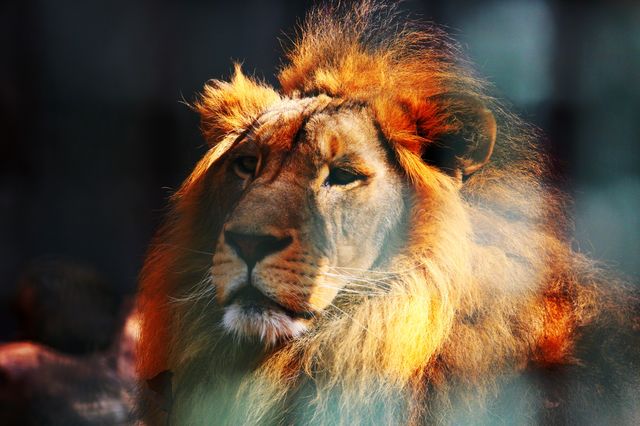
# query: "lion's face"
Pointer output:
{"type": "Point", "coordinates": [317, 199]}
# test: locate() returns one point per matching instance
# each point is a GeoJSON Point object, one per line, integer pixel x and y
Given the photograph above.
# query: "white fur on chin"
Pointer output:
{"type": "Point", "coordinates": [269, 325]}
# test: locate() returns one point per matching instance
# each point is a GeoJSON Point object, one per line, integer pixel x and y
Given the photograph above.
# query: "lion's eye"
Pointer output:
{"type": "Point", "coordinates": [340, 176]}
{"type": "Point", "coordinates": [245, 166]}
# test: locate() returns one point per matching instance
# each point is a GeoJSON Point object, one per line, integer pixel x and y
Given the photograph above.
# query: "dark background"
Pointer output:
{"type": "Point", "coordinates": [94, 137]}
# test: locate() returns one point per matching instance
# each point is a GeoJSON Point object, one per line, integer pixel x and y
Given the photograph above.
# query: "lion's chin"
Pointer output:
{"type": "Point", "coordinates": [270, 325]}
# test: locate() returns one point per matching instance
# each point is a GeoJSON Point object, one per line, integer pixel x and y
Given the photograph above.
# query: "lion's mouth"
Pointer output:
{"type": "Point", "coordinates": [252, 300]}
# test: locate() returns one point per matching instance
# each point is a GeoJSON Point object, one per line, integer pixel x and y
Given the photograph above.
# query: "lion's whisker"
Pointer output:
{"type": "Point", "coordinates": [358, 323]}
{"type": "Point", "coordinates": [197, 291]}
{"type": "Point", "coordinates": [357, 272]}
{"type": "Point", "coordinates": [351, 280]}
{"type": "Point", "coordinates": [375, 271]}
{"type": "Point", "coordinates": [352, 291]}
{"type": "Point", "coordinates": [185, 249]}
{"type": "Point", "coordinates": [398, 272]}
{"type": "Point", "coordinates": [192, 297]}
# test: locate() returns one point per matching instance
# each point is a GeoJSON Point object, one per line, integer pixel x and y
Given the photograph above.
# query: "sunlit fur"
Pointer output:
{"type": "Point", "coordinates": [486, 286]}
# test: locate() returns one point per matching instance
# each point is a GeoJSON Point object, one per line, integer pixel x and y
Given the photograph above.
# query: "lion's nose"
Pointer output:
{"type": "Point", "coordinates": [252, 248]}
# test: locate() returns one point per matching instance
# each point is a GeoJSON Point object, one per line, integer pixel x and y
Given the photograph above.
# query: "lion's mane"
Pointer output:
{"type": "Point", "coordinates": [487, 285]}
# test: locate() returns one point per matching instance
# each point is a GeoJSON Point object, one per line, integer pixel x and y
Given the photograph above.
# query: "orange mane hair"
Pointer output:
{"type": "Point", "coordinates": [485, 266]}
{"type": "Point", "coordinates": [395, 75]}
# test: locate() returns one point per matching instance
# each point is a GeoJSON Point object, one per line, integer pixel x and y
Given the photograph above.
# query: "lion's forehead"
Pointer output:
{"type": "Point", "coordinates": [278, 124]}
{"type": "Point", "coordinates": [321, 118]}
{"type": "Point", "coordinates": [289, 108]}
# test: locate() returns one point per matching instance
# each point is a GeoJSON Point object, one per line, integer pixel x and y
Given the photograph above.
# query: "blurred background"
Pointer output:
{"type": "Point", "coordinates": [94, 136]}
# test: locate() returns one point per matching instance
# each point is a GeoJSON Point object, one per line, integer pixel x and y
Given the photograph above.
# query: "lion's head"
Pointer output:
{"type": "Point", "coordinates": [335, 249]}
{"type": "Point", "coordinates": [315, 193]}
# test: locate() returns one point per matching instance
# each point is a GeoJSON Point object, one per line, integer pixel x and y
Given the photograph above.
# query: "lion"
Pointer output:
{"type": "Point", "coordinates": [375, 242]}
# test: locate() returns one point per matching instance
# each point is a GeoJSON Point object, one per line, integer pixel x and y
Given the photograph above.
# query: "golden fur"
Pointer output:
{"type": "Point", "coordinates": [486, 286]}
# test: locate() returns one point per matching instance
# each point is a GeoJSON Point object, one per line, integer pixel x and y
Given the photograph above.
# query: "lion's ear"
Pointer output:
{"type": "Point", "coordinates": [468, 138]}
{"type": "Point", "coordinates": [231, 107]}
